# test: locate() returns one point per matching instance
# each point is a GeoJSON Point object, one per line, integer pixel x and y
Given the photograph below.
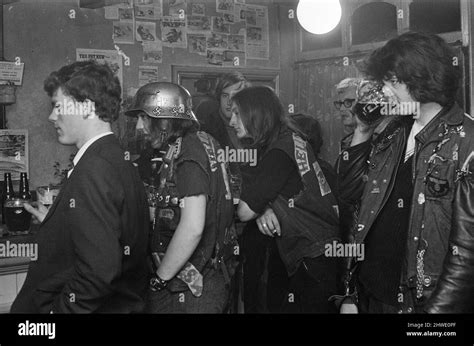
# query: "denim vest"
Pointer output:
{"type": "Point", "coordinates": [218, 238]}
{"type": "Point", "coordinates": [309, 221]}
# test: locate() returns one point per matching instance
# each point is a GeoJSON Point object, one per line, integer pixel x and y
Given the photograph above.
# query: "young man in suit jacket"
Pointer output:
{"type": "Point", "coordinates": [92, 242]}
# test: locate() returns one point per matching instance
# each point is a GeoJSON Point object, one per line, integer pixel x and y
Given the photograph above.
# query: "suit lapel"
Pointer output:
{"type": "Point", "coordinates": [56, 201]}
{"type": "Point", "coordinates": [90, 151]}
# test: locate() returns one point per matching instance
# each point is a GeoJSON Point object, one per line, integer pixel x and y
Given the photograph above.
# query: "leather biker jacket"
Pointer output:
{"type": "Point", "coordinates": [439, 260]}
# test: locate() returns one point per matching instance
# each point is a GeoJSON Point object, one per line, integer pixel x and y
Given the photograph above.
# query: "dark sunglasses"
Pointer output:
{"type": "Point", "coordinates": [347, 103]}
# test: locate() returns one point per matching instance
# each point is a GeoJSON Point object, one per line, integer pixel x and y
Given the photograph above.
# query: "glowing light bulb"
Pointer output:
{"type": "Point", "coordinates": [319, 16]}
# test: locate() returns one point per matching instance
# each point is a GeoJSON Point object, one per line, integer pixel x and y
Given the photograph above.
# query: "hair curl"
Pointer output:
{"type": "Point", "coordinates": [423, 61]}
{"type": "Point", "coordinates": [88, 80]}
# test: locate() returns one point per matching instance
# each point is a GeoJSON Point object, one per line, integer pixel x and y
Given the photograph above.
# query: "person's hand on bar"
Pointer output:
{"type": "Point", "coordinates": [39, 212]}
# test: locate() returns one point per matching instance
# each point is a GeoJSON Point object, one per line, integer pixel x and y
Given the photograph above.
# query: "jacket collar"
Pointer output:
{"type": "Point", "coordinates": [92, 148]}
{"type": "Point", "coordinates": [449, 115]}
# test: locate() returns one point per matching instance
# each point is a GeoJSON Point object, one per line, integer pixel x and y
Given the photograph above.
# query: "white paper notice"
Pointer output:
{"type": "Point", "coordinates": [173, 32]}
{"type": "Point", "coordinates": [111, 12]}
{"type": "Point", "coordinates": [153, 52]}
{"type": "Point", "coordinates": [147, 74]}
{"type": "Point", "coordinates": [123, 32]}
{"type": "Point", "coordinates": [258, 46]}
{"type": "Point", "coordinates": [146, 32]}
{"type": "Point", "coordinates": [11, 72]}
{"type": "Point", "coordinates": [111, 57]}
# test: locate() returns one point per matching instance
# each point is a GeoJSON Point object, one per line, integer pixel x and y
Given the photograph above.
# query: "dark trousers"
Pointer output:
{"type": "Point", "coordinates": [267, 287]}
{"type": "Point", "coordinates": [265, 280]}
{"type": "Point", "coordinates": [312, 285]}
{"type": "Point", "coordinates": [277, 280]}
{"type": "Point", "coordinates": [368, 304]}
{"type": "Point", "coordinates": [254, 245]}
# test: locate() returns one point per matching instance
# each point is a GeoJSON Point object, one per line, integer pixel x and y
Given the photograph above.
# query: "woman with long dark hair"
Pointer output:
{"type": "Point", "coordinates": [290, 181]}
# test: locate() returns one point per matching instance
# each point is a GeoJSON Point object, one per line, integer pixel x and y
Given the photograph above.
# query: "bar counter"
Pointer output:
{"type": "Point", "coordinates": [13, 268]}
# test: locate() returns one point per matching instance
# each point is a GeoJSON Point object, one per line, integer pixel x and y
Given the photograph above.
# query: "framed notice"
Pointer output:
{"type": "Point", "coordinates": [13, 153]}
{"type": "Point", "coordinates": [11, 72]}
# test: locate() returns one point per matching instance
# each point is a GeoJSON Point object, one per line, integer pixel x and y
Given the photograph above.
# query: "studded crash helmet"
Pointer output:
{"type": "Point", "coordinates": [163, 100]}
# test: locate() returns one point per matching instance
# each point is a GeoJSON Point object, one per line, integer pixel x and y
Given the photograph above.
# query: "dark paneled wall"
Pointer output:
{"type": "Point", "coordinates": [316, 83]}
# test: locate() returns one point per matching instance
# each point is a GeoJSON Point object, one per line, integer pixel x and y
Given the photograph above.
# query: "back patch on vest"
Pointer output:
{"type": "Point", "coordinates": [210, 151]}
{"type": "Point", "coordinates": [323, 183]}
{"type": "Point", "coordinates": [301, 155]}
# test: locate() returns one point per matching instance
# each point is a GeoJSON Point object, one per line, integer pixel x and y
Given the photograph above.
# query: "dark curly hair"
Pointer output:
{"type": "Point", "coordinates": [423, 61]}
{"type": "Point", "coordinates": [88, 80]}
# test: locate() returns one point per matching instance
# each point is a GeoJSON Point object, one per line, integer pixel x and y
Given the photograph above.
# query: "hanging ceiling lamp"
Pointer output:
{"type": "Point", "coordinates": [319, 16]}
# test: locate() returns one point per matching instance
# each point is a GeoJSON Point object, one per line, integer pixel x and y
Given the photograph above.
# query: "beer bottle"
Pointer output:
{"type": "Point", "coordinates": [24, 189]}
{"type": "Point", "coordinates": [8, 193]}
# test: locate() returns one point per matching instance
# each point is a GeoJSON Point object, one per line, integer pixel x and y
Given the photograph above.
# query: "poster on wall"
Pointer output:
{"type": "Point", "coordinates": [123, 32]}
{"type": "Point", "coordinates": [177, 8]}
{"type": "Point", "coordinates": [173, 32]}
{"type": "Point", "coordinates": [198, 24]}
{"type": "Point", "coordinates": [198, 9]}
{"type": "Point", "coordinates": [215, 57]}
{"type": "Point", "coordinates": [147, 74]}
{"type": "Point", "coordinates": [149, 9]}
{"type": "Point", "coordinates": [111, 57]}
{"type": "Point", "coordinates": [147, 13]}
{"type": "Point", "coordinates": [197, 44]}
{"type": "Point", "coordinates": [258, 46]}
{"type": "Point", "coordinates": [229, 18]}
{"type": "Point", "coordinates": [239, 5]}
{"type": "Point", "coordinates": [246, 11]}
{"type": "Point", "coordinates": [153, 52]}
{"type": "Point", "coordinates": [262, 16]}
{"type": "Point", "coordinates": [236, 42]}
{"type": "Point", "coordinates": [217, 41]}
{"type": "Point", "coordinates": [233, 58]}
{"type": "Point", "coordinates": [146, 32]}
{"type": "Point", "coordinates": [125, 13]}
{"type": "Point", "coordinates": [13, 152]}
{"type": "Point", "coordinates": [225, 6]}
{"type": "Point", "coordinates": [219, 27]}
{"type": "Point", "coordinates": [11, 72]}
{"type": "Point", "coordinates": [111, 12]}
